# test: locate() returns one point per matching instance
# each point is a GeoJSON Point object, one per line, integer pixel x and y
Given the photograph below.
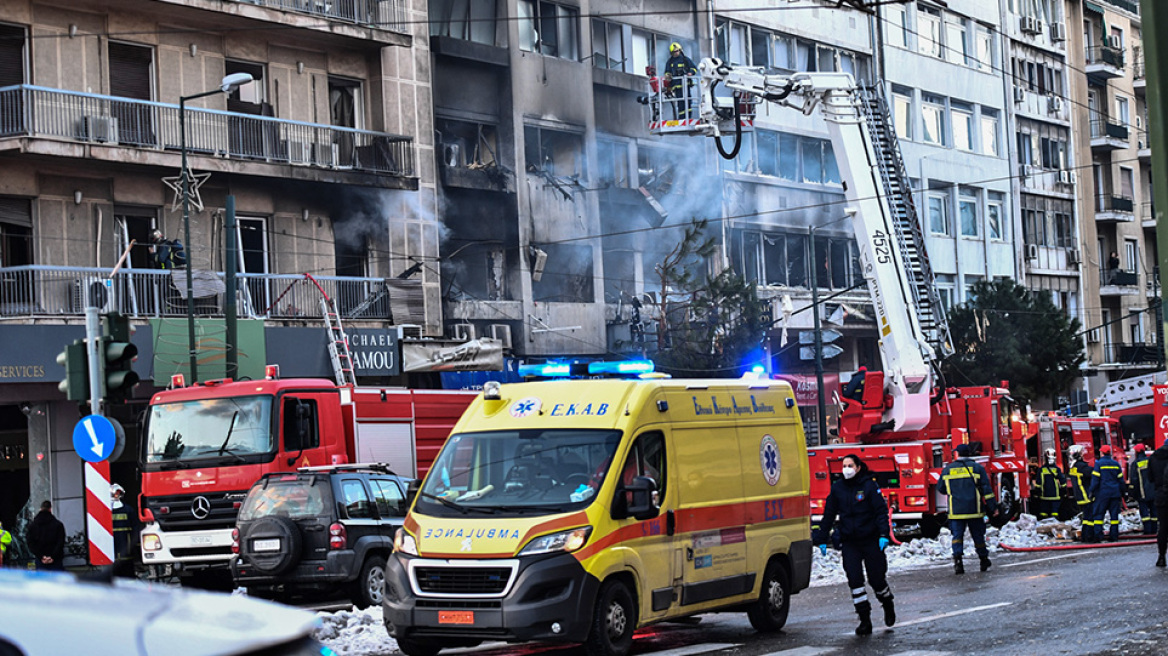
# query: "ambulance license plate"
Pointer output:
{"type": "Point", "coordinates": [456, 617]}
{"type": "Point", "coordinates": [266, 545]}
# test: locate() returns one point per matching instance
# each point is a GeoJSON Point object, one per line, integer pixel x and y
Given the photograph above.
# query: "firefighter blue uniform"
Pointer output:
{"type": "Point", "coordinates": [970, 498]}
{"type": "Point", "coordinates": [1080, 482]}
{"type": "Point", "coordinates": [1139, 480]}
{"type": "Point", "coordinates": [1051, 482]}
{"type": "Point", "coordinates": [1107, 489]}
{"type": "Point", "coordinates": [856, 508]}
{"type": "Point", "coordinates": [681, 71]}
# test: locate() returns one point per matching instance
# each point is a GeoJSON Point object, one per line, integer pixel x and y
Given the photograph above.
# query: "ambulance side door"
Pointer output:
{"type": "Point", "coordinates": [648, 456]}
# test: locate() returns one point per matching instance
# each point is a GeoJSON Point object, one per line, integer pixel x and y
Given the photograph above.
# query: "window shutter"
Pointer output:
{"type": "Point", "coordinates": [129, 70]}
{"type": "Point", "coordinates": [11, 55]}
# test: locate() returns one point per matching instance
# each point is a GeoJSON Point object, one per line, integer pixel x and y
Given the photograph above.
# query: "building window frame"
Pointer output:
{"type": "Point", "coordinates": [535, 19]}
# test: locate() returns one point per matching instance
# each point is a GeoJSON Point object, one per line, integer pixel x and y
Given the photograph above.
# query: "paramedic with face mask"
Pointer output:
{"type": "Point", "coordinates": [856, 506]}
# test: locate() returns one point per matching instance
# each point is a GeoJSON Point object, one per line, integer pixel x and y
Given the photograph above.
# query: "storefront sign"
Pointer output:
{"type": "Point", "coordinates": [475, 355]}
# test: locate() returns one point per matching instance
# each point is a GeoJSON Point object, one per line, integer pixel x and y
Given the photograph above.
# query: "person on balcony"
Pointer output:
{"type": "Point", "coordinates": [1112, 267]}
{"type": "Point", "coordinates": [166, 253]}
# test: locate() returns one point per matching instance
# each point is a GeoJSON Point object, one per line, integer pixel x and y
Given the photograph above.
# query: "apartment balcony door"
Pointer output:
{"type": "Point", "coordinates": [253, 259]}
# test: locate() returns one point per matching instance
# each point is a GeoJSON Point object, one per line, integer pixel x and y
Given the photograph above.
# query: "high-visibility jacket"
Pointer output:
{"type": "Point", "coordinates": [1139, 478]}
{"type": "Point", "coordinates": [1107, 479]}
{"type": "Point", "coordinates": [1050, 483]}
{"type": "Point", "coordinates": [968, 487]}
{"type": "Point", "coordinates": [1081, 482]}
{"type": "Point", "coordinates": [5, 540]}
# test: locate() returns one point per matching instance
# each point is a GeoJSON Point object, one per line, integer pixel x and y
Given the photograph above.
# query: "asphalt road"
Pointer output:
{"type": "Point", "coordinates": [1107, 602]}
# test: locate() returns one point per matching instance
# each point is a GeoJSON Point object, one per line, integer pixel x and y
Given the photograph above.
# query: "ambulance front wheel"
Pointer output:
{"type": "Point", "coordinates": [613, 621]}
{"type": "Point", "coordinates": [769, 613]}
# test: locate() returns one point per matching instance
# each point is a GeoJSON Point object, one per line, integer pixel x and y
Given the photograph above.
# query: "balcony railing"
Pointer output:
{"type": "Point", "coordinates": [1136, 353]}
{"type": "Point", "coordinates": [385, 14]}
{"type": "Point", "coordinates": [1105, 127]}
{"type": "Point", "coordinates": [40, 290]}
{"type": "Point", "coordinates": [1113, 203]}
{"type": "Point", "coordinates": [33, 111]}
{"type": "Point", "coordinates": [1118, 278]}
{"type": "Point", "coordinates": [1105, 55]}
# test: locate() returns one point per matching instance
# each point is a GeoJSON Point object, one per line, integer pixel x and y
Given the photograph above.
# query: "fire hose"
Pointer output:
{"type": "Point", "coordinates": [1082, 545]}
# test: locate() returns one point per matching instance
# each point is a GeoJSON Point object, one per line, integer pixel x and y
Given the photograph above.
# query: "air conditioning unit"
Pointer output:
{"type": "Point", "coordinates": [1031, 25]}
{"type": "Point", "coordinates": [101, 128]}
{"type": "Point", "coordinates": [1027, 171]}
{"type": "Point", "coordinates": [452, 154]}
{"type": "Point", "coordinates": [501, 332]}
{"type": "Point", "coordinates": [463, 332]}
{"type": "Point", "coordinates": [1019, 94]}
{"type": "Point", "coordinates": [1093, 336]}
{"type": "Point", "coordinates": [299, 152]}
{"type": "Point", "coordinates": [1066, 177]}
{"type": "Point", "coordinates": [1058, 32]}
{"type": "Point", "coordinates": [1114, 42]}
{"type": "Point", "coordinates": [1055, 104]}
{"type": "Point", "coordinates": [409, 331]}
{"type": "Point", "coordinates": [1073, 256]}
{"type": "Point", "coordinates": [538, 260]}
{"type": "Point", "coordinates": [1032, 251]}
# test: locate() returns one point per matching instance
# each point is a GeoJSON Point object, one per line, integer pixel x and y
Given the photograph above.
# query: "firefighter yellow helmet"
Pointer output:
{"type": "Point", "coordinates": [674, 48]}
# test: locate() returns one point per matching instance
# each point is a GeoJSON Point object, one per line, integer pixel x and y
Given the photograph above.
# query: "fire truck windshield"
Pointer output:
{"type": "Point", "coordinates": [229, 428]}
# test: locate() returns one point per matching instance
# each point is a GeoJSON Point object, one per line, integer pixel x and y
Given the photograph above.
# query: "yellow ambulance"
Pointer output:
{"type": "Point", "coordinates": [581, 510]}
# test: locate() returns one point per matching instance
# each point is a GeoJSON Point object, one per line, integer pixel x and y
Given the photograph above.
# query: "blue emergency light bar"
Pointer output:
{"type": "Point", "coordinates": [567, 369]}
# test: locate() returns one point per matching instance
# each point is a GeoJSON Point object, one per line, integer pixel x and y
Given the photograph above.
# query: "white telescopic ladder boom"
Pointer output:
{"type": "Point", "coordinates": [910, 318]}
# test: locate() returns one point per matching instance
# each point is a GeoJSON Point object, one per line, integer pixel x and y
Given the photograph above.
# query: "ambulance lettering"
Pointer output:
{"type": "Point", "coordinates": [577, 409]}
{"type": "Point", "coordinates": [489, 534]}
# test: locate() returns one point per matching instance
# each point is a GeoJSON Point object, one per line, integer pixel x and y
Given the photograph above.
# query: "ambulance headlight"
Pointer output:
{"type": "Point", "coordinates": [151, 542]}
{"type": "Point", "coordinates": [566, 541]}
{"type": "Point", "coordinates": [404, 542]}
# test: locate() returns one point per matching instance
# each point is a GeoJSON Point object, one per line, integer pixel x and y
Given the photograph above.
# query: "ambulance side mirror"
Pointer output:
{"type": "Point", "coordinates": [640, 492]}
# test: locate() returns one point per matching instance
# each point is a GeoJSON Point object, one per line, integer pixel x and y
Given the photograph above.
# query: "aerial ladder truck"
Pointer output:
{"type": "Point", "coordinates": [905, 418]}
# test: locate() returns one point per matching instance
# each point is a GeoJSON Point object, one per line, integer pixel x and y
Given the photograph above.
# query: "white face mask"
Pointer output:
{"type": "Point", "coordinates": [849, 472]}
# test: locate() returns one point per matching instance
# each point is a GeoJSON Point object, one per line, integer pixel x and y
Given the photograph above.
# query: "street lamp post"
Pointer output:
{"type": "Point", "coordinates": [229, 84]}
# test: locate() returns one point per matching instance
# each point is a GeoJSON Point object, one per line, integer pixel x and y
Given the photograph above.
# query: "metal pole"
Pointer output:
{"type": "Point", "coordinates": [821, 439]}
{"type": "Point", "coordinates": [229, 310]}
{"type": "Point", "coordinates": [92, 344]}
{"type": "Point", "coordinates": [192, 345]}
{"type": "Point", "coordinates": [1154, 15]}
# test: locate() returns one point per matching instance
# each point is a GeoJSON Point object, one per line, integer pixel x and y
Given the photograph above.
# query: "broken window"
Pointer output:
{"type": "Point", "coordinates": [464, 19]}
{"type": "Point", "coordinates": [548, 29]}
{"type": "Point", "coordinates": [552, 152]}
{"type": "Point", "coordinates": [613, 163]}
{"type": "Point", "coordinates": [566, 275]}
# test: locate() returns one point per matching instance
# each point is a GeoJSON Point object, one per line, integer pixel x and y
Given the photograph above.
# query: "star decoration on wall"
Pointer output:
{"type": "Point", "coordinates": [196, 181]}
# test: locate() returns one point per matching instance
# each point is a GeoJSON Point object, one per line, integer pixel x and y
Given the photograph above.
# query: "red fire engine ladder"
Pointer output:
{"type": "Point", "coordinates": [338, 341]}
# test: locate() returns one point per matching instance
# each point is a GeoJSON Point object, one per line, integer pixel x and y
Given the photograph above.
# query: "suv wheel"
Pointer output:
{"type": "Point", "coordinates": [417, 647]}
{"type": "Point", "coordinates": [369, 588]}
{"type": "Point", "coordinates": [273, 527]}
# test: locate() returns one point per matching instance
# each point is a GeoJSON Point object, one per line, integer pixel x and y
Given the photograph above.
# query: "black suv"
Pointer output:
{"type": "Point", "coordinates": [319, 530]}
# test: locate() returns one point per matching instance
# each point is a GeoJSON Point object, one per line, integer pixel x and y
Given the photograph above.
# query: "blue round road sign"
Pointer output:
{"type": "Point", "coordinates": [94, 438]}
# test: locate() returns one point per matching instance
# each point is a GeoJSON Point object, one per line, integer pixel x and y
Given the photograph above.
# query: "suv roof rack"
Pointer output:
{"type": "Point", "coordinates": [378, 467]}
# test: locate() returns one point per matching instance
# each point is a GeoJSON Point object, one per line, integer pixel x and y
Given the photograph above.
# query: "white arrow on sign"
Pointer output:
{"type": "Point", "coordinates": [93, 436]}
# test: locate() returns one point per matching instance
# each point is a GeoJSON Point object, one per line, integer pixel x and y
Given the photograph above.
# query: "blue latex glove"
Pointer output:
{"type": "Point", "coordinates": [823, 549]}
{"type": "Point", "coordinates": [883, 543]}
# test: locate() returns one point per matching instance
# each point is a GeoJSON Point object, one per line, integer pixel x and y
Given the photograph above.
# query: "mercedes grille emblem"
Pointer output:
{"type": "Point", "coordinates": [201, 507]}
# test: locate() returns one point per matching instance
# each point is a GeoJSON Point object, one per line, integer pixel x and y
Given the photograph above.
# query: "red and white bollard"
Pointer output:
{"type": "Point", "coordinates": [99, 523]}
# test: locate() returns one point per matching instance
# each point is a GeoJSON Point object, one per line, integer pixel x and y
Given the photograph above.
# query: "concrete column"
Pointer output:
{"type": "Point", "coordinates": [40, 456]}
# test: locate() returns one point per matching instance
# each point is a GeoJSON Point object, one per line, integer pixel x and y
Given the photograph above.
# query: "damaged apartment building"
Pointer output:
{"type": "Point", "coordinates": [559, 200]}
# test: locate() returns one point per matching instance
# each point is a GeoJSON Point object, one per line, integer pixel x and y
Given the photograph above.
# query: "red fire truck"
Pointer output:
{"type": "Point", "coordinates": [204, 445]}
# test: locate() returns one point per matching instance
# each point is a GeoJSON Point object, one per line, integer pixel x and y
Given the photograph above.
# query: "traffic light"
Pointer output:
{"type": "Point", "coordinates": [75, 359]}
{"type": "Point", "coordinates": [117, 374]}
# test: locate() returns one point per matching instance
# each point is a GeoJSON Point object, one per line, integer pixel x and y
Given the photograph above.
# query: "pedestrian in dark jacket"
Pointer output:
{"type": "Point", "coordinates": [1107, 488]}
{"type": "Point", "coordinates": [1051, 482]}
{"type": "Point", "coordinates": [970, 498]}
{"type": "Point", "coordinates": [46, 539]}
{"type": "Point", "coordinates": [1080, 483]}
{"type": "Point", "coordinates": [1139, 481]}
{"type": "Point", "coordinates": [1158, 468]}
{"type": "Point", "coordinates": [857, 508]}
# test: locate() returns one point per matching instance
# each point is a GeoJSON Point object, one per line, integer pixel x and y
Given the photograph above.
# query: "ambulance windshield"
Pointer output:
{"type": "Point", "coordinates": [521, 471]}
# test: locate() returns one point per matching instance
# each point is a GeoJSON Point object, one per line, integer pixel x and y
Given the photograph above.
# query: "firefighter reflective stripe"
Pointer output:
{"type": "Point", "coordinates": [859, 595]}
{"type": "Point", "coordinates": [1078, 485]}
{"type": "Point", "coordinates": [5, 540]}
{"type": "Point", "coordinates": [1050, 479]}
{"type": "Point", "coordinates": [967, 485]}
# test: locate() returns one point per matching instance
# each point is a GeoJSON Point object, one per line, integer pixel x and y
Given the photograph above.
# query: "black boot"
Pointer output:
{"type": "Point", "coordinates": [985, 563]}
{"type": "Point", "coordinates": [958, 566]}
{"type": "Point", "coordinates": [864, 610]}
{"type": "Point", "coordinates": [886, 598]}
{"type": "Point", "coordinates": [1160, 561]}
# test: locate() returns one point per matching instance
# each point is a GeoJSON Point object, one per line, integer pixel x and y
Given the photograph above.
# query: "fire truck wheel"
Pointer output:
{"type": "Point", "coordinates": [769, 613]}
{"type": "Point", "coordinates": [369, 588]}
{"type": "Point", "coordinates": [279, 561]}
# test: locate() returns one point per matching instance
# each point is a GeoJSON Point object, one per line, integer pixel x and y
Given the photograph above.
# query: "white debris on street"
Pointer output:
{"type": "Point", "coordinates": [356, 633]}
{"type": "Point", "coordinates": [361, 632]}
